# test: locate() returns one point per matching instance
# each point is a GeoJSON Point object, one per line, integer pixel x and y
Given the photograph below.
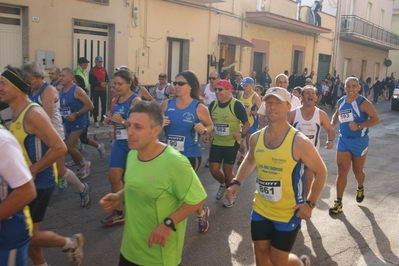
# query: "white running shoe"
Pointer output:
{"type": "Point", "coordinates": [75, 254]}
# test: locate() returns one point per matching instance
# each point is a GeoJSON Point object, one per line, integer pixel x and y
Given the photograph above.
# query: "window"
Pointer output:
{"type": "Point", "coordinates": [382, 17]}
{"type": "Point", "coordinates": [369, 7]}
{"type": "Point", "coordinates": [10, 15]}
{"type": "Point", "coordinates": [103, 2]}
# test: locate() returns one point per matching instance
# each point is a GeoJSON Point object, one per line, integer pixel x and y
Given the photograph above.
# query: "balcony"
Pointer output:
{"type": "Point", "coordinates": [358, 30]}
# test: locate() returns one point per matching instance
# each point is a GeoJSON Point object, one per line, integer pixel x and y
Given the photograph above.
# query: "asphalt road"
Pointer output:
{"type": "Point", "coordinates": [364, 234]}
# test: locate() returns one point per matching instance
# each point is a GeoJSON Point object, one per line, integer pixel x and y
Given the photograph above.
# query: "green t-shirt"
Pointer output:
{"type": "Point", "coordinates": [79, 72]}
{"type": "Point", "coordinates": [154, 190]}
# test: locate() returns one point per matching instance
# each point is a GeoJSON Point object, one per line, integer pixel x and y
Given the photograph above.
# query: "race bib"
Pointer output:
{"type": "Point", "coordinates": [65, 112]}
{"type": "Point", "coordinates": [270, 190]}
{"type": "Point", "coordinates": [346, 116]}
{"type": "Point", "coordinates": [177, 142]}
{"type": "Point", "coordinates": [222, 129]}
{"type": "Point", "coordinates": [120, 132]}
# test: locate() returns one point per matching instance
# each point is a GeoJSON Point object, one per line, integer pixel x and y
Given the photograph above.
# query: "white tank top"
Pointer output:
{"type": "Point", "coordinates": [56, 119]}
{"type": "Point", "coordinates": [161, 94]}
{"type": "Point", "coordinates": [311, 128]}
{"type": "Point", "coordinates": [209, 95]}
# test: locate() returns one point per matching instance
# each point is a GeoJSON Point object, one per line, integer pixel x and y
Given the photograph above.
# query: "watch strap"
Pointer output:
{"type": "Point", "coordinates": [169, 223]}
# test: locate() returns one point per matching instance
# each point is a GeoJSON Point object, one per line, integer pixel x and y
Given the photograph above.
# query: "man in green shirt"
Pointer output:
{"type": "Point", "coordinates": [83, 63]}
{"type": "Point", "coordinates": [161, 191]}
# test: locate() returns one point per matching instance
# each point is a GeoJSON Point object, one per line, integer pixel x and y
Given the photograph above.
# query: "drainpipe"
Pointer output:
{"type": "Point", "coordinates": [337, 38]}
{"type": "Point", "coordinates": [242, 36]}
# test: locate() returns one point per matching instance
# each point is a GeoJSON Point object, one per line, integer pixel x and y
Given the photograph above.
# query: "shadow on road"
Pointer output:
{"type": "Point", "coordinates": [383, 244]}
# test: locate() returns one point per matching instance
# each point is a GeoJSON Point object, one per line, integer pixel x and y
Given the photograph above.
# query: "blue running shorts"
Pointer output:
{"type": "Point", "coordinates": [357, 146]}
{"type": "Point", "coordinates": [118, 155]}
{"type": "Point", "coordinates": [14, 257]}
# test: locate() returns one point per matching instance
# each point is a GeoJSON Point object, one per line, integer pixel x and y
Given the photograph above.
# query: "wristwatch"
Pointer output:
{"type": "Point", "coordinates": [169, 223]}
{"type": "Point", "coordinates": [205, 131]}
{"type": "Point", "coordinates": [235, 182]}
{"type": "Point", "coordinates": [123, 122]}
{"type": "Point", "coordinates": [359, 127]}
{"type": "Point", "coordinates": [77, 113]}
{"type": "Point", "coordinates": [311, 204]}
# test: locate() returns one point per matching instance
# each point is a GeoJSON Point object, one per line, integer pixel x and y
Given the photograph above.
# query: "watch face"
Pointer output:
{"type": "Point", "coordinates": [168, 222]}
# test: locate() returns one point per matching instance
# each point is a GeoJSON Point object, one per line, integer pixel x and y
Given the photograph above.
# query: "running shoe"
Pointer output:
{"type": "Point", "coordinates": [75, 254]}
{"type": "Point", "coordinates": [101, 150]}
{"type": "Point", "coordinates": [70, 163]}
{"type": "Point", "coordinates": [228, 204]}
{"type": "Point", "coordinates": [240, 160]}
{"type": "Point", "coordinates": [97, 125]}
{"type": "Point", "coordinates": [62, 184]}
{"type": "Point", "coordinates": [305, 260]}
{"type": "Point", "coordinates": [85, 195]}
{"type": "Point", "coordinates": [203, 223]}
{"type": "Point", "coordinates": [207, 163]}
{"type": "Point", "coordinates": [221, 191]}
{"type": "Point", "coordinates": [84, 171]}
{"type": "Point", "coordinates": [360, 195]}
{"type": "Point", "coordinates": [80, 146]}
{"type": "Point", "coordinates": [103, 124]}
{"type": "Point", "coordinates": [337, 207]}
{"type": "Point", "coordinates": [113, 219]}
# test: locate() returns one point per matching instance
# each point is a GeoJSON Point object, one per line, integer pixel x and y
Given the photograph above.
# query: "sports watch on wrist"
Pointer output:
{"type": "Point", "coordinates": [235, 182]}
{"type": "Point", "coordinates": [169, 223]}
{"type": "Point", "coordinates": [311, 204]}
{"type": "Point", "coordinates": [359, 127]}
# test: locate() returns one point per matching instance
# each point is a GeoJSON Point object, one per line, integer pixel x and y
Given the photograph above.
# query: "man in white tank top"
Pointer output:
{"type": "Point", "coordinates": [163, 90]}
{"type": "Point", "coordinates": [309, 119]}
{"type": "Point", "coordinates": [208, 92]}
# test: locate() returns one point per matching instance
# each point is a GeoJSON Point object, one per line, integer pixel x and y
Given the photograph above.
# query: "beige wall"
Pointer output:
{"type": "Point", "coordinates": [141, 42]}
{"type": "Point", "coordinates": [54, 31]}
{"type": "Point", "coordinates": [360, 10]}
{"type": "Point", "coordinates": [394, 55]}
{"type": "Point", "coordinates": [357, 53]}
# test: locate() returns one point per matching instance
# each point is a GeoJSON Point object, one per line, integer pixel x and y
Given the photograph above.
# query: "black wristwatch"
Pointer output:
{"type": "Point", "coordinates": [243, 135]}
{"type": "Point", "coordinates": [359, 127]}
{"type": "Point", "coordinates": [235, 182]}
{"type": "Point", "coordinates": [311, 204]}
{"type": "Point", "coordinates": [169, 223]}
{"type": "Point", "coordinates": [205, 131]}
{"type": "Point", "coordinates": [77, 113]}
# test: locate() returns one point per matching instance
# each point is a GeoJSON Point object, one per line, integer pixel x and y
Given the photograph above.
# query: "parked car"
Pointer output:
{"type": "Point", "coordinates": [395, 99]}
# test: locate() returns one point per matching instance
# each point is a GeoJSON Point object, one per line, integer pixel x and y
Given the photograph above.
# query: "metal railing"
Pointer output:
{"type": "Point", "coordinates": [351, 24]}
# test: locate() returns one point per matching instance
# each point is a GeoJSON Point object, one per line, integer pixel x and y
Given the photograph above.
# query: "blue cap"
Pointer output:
{"type": "Point", "coordinates": [246, 81]}
{"type": "Point", "coordinates": [98, 59]}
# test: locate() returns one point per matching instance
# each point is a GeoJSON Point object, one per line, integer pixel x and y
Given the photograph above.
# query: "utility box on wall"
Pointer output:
{"type": "Point", "coordinates": [45, 58]}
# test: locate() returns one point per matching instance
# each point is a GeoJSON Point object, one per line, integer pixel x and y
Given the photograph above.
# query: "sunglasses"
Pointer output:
{"type": "Point", "coordinates": [219, 89]}
{"type": "Point", "coordinates": [212, 78]}
{"type": "Point", "coordinates": [180, 83]}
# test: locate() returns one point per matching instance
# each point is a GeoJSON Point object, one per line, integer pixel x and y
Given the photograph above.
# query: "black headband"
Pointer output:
{"type": "Point", "coordinates": [16, 81]}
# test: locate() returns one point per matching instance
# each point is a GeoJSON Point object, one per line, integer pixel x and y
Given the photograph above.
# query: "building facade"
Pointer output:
{"type": "Point", "coordinates": [365, 38]}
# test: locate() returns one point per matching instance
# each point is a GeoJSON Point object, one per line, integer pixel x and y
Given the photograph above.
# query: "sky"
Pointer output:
{"type": "Point", "coordinates": [328, 6]}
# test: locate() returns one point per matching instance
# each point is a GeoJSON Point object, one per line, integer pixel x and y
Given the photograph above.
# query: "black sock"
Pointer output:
{"type": "Point", "coordinates": [339, 199]}
{"type": "Point", "coordinates": [119, 212]}
{"type": "Point", "coordinates": [360, 188]}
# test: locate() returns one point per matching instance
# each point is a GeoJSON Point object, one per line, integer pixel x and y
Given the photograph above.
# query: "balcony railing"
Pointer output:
{"type": "Point", "coordinates": [366, 31]}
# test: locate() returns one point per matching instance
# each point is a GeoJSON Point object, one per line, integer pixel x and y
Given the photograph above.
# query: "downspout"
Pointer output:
{"type": "Point", "coordinates": [209, 43]}
{"type": "Point", "coordinates": [314, 54]}
{"type": "Point", "coordinates": [337, 37]}
{"type": "Point", "coordinates": [242, 36]}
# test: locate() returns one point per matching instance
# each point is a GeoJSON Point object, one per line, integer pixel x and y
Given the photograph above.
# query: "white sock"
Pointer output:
{"type": "Point", "coordinates": [73, 179]}
{"type": "Point", "coordinates": [44, 264]}
{"type": "Point", "coordinates": [69, 243]}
